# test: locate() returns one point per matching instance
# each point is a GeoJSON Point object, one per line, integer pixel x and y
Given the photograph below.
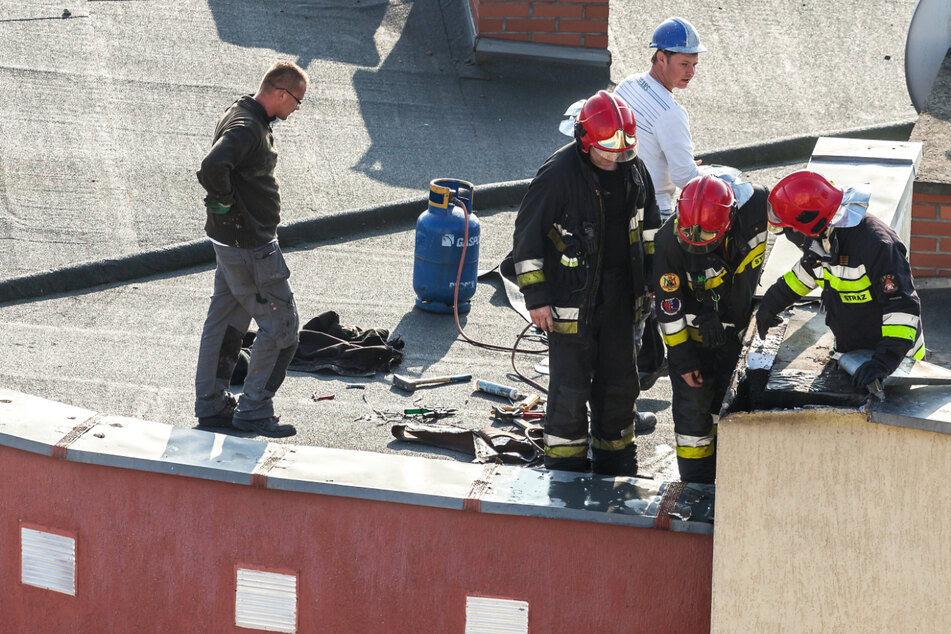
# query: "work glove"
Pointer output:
{"type": "Point", "coordinates": [868, 372]}
{"type": "Point", "coordinates": [766, 320]}
{"type": "Point", "coordinates": [215, 207]}
{"type": "Point", "coordinates": [711, 330]}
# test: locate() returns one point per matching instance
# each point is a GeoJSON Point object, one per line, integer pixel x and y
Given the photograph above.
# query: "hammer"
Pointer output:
{"type": "Point", "coordinates": [410, 385]}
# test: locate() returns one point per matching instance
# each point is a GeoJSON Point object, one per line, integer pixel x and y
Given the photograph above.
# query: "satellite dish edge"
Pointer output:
{"type": "Point", "coordinates": [927, 43]}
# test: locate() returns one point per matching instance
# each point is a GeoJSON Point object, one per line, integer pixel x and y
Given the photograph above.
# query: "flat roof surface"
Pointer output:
{"type": "Point", "coordinates": [116, 107]}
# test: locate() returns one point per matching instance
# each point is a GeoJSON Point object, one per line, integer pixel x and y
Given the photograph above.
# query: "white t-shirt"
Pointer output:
{"type": "Point", "coordinates": [663, 136]}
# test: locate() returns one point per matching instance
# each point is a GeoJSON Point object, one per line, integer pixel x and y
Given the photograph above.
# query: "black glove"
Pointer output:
{"type": "Point", "coordinates": [711, 330]}
{"type": "Point", "coordinates": [766, 320]}
{"type": "Point", "coordinates": [868, 372]}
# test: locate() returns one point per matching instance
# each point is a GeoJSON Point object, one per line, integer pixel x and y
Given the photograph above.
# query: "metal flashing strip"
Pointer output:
{"type": "Point", "coordinates": [483, 488]}
{"type": "Point", "coordinates": [59, 449]}
{"type": "Point", "coordinates": [667, 503]}
{"type": "Point", "coordinates": [274, 454]}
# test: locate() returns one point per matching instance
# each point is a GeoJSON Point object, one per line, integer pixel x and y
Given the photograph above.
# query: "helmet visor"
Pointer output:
{"type": "Point", "coordinates": [696, 234]}
{"type": "Point", "coordinates": [621, 156]}
{"type": "Point", "coordinates": [773, 223]}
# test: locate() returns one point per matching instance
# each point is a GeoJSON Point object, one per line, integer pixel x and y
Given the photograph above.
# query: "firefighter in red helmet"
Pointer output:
{"type": "Point", "coordinates": [581, 261]}
{"type": "Point", "coordinates": [868, 292]}
{"type": "Point", "coordinates": [707, 264]}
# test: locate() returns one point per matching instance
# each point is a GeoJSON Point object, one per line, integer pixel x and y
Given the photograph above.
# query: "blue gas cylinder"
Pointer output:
{"type": "Point", "coordinates": [440, 237]}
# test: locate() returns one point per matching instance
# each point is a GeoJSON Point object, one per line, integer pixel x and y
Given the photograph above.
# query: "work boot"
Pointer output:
{"type": "Point", "coordinates": [644, 422]}
{"type": "Point", "coordinates": [222, 419]}
{"type": "Point", "coordinates": [269, 427]}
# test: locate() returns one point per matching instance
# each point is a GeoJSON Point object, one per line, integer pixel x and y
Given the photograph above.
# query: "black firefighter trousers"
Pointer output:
{"type": "Point", "coordinates": [596, 367]}
{"type": "Point", "coordinates": [693, 409]}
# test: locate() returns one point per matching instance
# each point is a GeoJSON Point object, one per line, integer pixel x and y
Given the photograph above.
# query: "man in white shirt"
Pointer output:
{"type": "Point", "coordinates": [663, 129]}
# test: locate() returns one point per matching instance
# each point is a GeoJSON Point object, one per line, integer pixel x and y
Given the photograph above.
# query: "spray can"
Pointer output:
{"type": "Point", "coordinates": [498, 390]}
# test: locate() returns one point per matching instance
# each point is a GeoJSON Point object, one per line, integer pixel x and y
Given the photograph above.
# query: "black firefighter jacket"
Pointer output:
{"type": "Point", "coordinates": [558, 236]}
{"type": "Point", "coordinates": [868, 292]}
{"type": "Point", "coordinates": [688, 286]}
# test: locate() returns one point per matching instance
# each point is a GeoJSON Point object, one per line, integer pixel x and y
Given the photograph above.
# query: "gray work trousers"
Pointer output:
{"type": "Point", "coordinates": [249, 284]}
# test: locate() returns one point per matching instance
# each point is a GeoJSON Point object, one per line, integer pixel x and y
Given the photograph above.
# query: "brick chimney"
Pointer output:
{"type": "Point", "coordinates": [565, 30]}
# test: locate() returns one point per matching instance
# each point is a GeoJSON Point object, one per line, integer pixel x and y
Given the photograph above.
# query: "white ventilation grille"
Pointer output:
{"type": "Point", "coordinates": [496, 616]}
{"type": "Point", "coordinates": [266, 601]}
{"type": "Point", "coordinates": [48, 561]}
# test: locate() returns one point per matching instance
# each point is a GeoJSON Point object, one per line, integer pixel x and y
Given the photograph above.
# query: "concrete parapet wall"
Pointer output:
{"type": "Point", "coordinates": [163, 520]}
{"type": "Point", "coordinates": [827, 522]}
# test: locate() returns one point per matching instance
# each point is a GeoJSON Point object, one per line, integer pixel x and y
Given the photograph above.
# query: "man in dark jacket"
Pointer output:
{"type": "Point", "coordinates": [581, 260]}
{"type": "Point", "coordinates": [243, 208]}
{"type": "Point", "coordinates": [868, 292]}
{"type": "Point", "coordinates": [707, 264]}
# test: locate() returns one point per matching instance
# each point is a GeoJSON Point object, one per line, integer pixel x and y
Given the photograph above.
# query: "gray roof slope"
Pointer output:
{"type": "Point", "coordinates": [113, 107]}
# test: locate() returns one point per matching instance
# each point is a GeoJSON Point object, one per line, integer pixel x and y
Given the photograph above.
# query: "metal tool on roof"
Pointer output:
{"type": "Point", "coordinates": [909, 372]}
{"type": "Point", "coordinates": [410, 385]}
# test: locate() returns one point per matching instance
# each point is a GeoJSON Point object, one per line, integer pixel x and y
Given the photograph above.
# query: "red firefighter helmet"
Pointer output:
{"type": "Point", "coordinates": [804, 201]}
{"type": "Point", "coordinates": [704, 213]}
{"type": "Point", "coordinates": [607, 123]}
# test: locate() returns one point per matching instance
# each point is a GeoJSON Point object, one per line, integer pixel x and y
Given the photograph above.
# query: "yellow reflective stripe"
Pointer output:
{"type": "Point", "coordinates": [555, 237]}
{"type": "Point", "coordinates": [675, 339]}
{"type": "Point", "coordinates": [899, 332]}
{"type": "Point", "coordinates": [795, 285]}
{"type": "Point", "coordinates": [649, 248]}
{"type": "Point", "coordinates": [633, 237]}
{"type": "Point", "coordinates": [919, 349]}
{"type": "Point", "coordinates": [613, 445]}
{"type": "Point", "coordinates": [532, 277]}
{"type": "Point", "coordinates": [694, 333]}
{"type": "Point", "coordinates": [569, 262]}
{"type": "Point", "coordinates": [695, 452]}
{"type": "Point", "coordinates": [565, 327]}
{"type": "Point", "coordinates": [566, 451]}
{"type": "Point", "coordinates": [754, 258]}
{"type": "Point", "coordinates": [846, 286]}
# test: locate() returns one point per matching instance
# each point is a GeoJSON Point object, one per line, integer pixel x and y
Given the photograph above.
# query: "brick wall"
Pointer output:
{"type": "Point", "coordinates": [930, 247]}
{"type": "Point", "coordinates": [580, 23]}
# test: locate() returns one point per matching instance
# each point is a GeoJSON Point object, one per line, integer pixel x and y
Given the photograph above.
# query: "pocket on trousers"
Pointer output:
{"type": "Point", "coordinates": [269, 265]}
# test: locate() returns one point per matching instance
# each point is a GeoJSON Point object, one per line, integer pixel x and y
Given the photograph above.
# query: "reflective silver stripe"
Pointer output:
{"type": "Point", "coordinates": [683, 440]}
{"type": "Point", "coordinates": [900, 319]}
{"type": "Point", "coordinates": [628, 431]}
{"type": "Point", "coordinates": [919, 344]}
{"type": "Point", "coordinates": [804, 278]}
{"type": "Point", "coordinates": [558, 441]}
{"type": "Point", "coordinates": [561, 230]}
{"type": "Point", "coordinates": [527, 266]}
{"type": "Point", "coordinates": [649, 235]}
{"type": "Point", "coordinates": [673, 327]}
{"type": "Point", "coordinates": [850, 273]}
{"type": "Point", "coordinates": [565, 313]}
{"type": "Point", "coordinates": [569, 262]}
{"type": "Point", "coordinates": [758, 239]}
{"type": "Point", "coordinates": [709, 273]}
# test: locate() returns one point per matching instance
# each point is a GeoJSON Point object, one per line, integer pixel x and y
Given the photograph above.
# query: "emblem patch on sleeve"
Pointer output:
{"type": "Point", "coordinates": [669, 282]}
{"type": "Point", "coordinates": [670, 306]}
{"type": "Point", "coordinates": [889, 285]}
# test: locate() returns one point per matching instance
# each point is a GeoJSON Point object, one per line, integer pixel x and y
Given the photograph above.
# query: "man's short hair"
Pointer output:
{"type": "Point", "coordinates": [284, 74]}
{"type": "Point", "coordinates": [654, 56]}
